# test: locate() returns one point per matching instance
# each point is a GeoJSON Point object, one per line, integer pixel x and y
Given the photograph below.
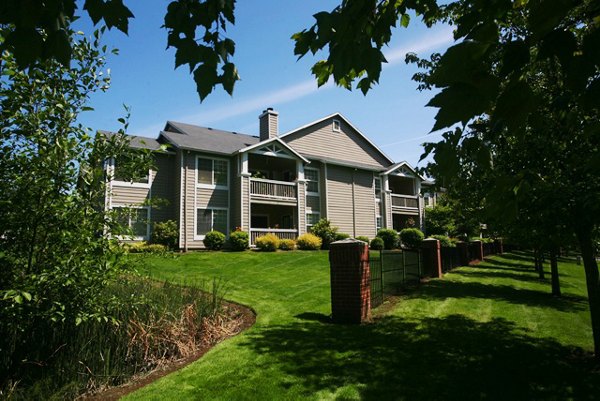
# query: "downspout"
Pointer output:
{"type": "Point", "coordinates": [185, 223]}
{"type": "Point", "coordinates": [353, 206]}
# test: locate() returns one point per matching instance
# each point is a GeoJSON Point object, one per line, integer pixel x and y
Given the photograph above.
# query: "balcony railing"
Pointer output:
{"type": "Point", "coordinates": [271, 189]}
{"type": "Point", "coordinates": [281, 233]}
{"type": "Point", "coordinates": [405, 201]}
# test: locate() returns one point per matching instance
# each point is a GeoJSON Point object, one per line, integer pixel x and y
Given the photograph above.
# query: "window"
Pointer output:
{"type": "Point", "coordinates": [211, 219]}
{"type": "Point", "coordinates": [212, 172]}
{"type": "Point", "coordinates": [312, 180]}
{"type": "Point", "coordinates": [312, 219]}
{"type": "Point", "coordinates": [134, 220]}
{"type": "Point", "coordinates": [378, 223]}
{"type": "Point", "coordinates": [336, 126]}
{"type": "Point", "coordinates": [378, 188]}
{"type": "Point", "coordinates": [122, 171]}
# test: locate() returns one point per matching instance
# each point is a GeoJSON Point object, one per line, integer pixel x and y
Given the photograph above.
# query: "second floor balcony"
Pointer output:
{"type": "Point", "coordinates": [405, 202]}
{"type": "Point", "coordinates": [272, 190]}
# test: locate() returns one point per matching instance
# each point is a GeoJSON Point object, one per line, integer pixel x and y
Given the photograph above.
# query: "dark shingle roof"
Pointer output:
{"type": "Point", "coordinates": [139, 142]}
{"type": "Point", "coordinates": [207, 139]}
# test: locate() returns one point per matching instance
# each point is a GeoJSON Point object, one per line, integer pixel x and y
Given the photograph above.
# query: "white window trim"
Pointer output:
{"type": "Point", "coordinates": [339, 126]}
{"type": "Point", "coordinates": [211, 186]}
{"type": "Point", "coordinates": [201, 237]}
{"type": "Point", "coordinates": [318, 181]}
{"type": "Point", "coordinates": [306, 217]}
{"type": "Point", "coordinates": [113, 181]}
{"type": "Point", "coordinates": [134, 237]}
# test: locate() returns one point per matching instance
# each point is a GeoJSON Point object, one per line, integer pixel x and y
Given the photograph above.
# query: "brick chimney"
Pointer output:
{"type": "Point", "coordinates": [269, 124]}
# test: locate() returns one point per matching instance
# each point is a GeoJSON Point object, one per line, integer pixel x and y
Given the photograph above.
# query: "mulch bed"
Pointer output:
{"type": "Point", "coordinates": [240, 318]}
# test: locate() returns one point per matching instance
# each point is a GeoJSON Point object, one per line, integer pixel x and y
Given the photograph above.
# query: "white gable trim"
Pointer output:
{"type": "Point", "coordinates": [406, 165]}
{"type": "Point", "coordinates": [340, 116]}
{"type": "Point", "coordinates": [280, 142]}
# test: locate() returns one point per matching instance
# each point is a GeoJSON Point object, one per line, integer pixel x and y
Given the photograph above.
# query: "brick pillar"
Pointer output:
{"type": "Point", "coordinates": [432, 257]}
{"type": "Point", "coordinates": [350, 281]}
{"type": "Point", "coordinates": [499, 246]}
{"type": "Point", "coordinates": [478, 247]}
{"type": "Point", "coordinates": [463, 253]}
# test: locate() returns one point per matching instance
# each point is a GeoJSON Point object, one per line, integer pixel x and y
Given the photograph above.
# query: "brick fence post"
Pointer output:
{"type": "Point", "coordinates": [432, 257]}
{"type": "Point", "coordinates": [499, 246]}
{"type": "Point", "coordinates": [350, 281]}
{"type": "Point", "coordinates": [463, 253]}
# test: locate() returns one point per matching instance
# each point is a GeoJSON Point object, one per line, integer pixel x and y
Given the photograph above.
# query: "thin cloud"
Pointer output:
{"type": "Point", "coordinates": [302, 89]}
{"type": "Point", "coordinates": [416, 138]}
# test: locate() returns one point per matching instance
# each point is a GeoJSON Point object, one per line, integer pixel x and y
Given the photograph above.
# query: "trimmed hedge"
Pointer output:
{"type": "Point", "coordinates": [309, 242]}
{"type": "Point", "coordinates": [389, 237]}
{"type": "Point", "coordinates": [411, 237]}
{"type": "Point", "coordinates": [214, 240]}
{"type": "Point", "coordinates": [363, 239]}
{"type": "Point", "coordinates": [341, 236]}
{"type": "Point", "coordinates": [445, 241]}
{"type": "Point", "coordinates": [287, 244]}
{"type": "Point", "coordinates": [238, 240]}
{"type": "Point", "coordinates": [267, 243]}
{"type": "Point", "coordinates": [165, 233]}
{"type": "Point", "coordinates": [377, 244]}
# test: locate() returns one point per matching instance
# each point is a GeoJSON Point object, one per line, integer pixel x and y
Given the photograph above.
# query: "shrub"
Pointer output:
{"type": "Point", "coordinates": [165, 233]}
{"type": "Point", "coordinates": [238, 240]}
{"type": "Point", "coordinates": [214, 240]}
{"type": "Point", "coordinates": [411, 237]}
{"type": "Point", "coordinates": [445, 242]}
{"type": "Point", "coordinates": [267, 243]}
{"type": "Point", "coordinates": [341, 236]}
{"type": "Point", "coordinates": [325, 231]}
{"type": "Point", "coordinates": [155, 248]}
{"type": "Point", "coordinates": [309, 242]}
{"type": "Point", "coordinates": [134, 247]}
{"type": "Point", "coordinates": [287, 244]}
{"type": "Point", "coordinates": [363, 238]}
{"type": "Point", "coordinates": [377, 244]}
{"type": "Point", "coordinates": [389, 237]}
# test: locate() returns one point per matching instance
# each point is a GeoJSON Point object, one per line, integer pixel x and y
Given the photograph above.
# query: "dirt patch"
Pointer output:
{"type": "Point", "coordinates": [234, 319]}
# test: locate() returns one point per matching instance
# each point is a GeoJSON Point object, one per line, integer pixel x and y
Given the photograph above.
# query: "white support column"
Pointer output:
{"type": "Point", "coordinates": [245, 163]}
{"type": "Point", "coordinates": [300, 170]}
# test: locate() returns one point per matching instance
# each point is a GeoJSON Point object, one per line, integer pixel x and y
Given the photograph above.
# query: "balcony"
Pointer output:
{"type": "Point", "coordinates": [280, 233]}
{"type": "Point", "coordinates": [275, 191]}
{"type": "Point", "coordinates": [405, 202]}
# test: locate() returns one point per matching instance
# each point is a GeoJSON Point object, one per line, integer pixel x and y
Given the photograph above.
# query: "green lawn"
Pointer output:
{"type": "Point", "coordinates": [487, 332]}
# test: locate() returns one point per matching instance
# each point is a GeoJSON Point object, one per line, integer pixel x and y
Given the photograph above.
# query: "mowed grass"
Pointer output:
{"type": "Point", "coordinates": [487, 332]}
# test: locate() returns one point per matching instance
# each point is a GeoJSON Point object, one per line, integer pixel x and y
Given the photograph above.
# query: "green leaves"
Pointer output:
{"type": "Point", "coordinates": [206, 53]}
{"type": "Point", "coordinates": [514, 105]}
{"type": "Point", "coordinates": [113, 12]}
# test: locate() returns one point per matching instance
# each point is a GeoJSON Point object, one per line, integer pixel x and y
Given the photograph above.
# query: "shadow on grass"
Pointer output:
{"type": "Point", "coordinates": [453, 289]}
{"type": "Point", "coordinates": [452, 358]}
{"type": "Point", "coordinates": [491, 274]}
{"type": "Point", "coordinates": [497, 263]}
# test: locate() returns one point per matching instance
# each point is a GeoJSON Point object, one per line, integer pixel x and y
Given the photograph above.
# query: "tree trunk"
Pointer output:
{"type": "Point", "coordinates": [593, 283]}
{"type": "Point", "coordinates": [540, 264]}
{"type": "Point", "coordinates": [554, 273]}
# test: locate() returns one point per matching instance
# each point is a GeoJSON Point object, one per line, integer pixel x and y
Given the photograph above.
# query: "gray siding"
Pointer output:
{"type": "Point", "coordinates": [351, 200]}
{"type": "Point", "coordinates": [320, 140]}
{"type": "Point", "coordinates": [245, 185]}
{"type": "Point", "coordinates": [212, 198]}
{"type": "Point", "coordinates": [128, 195]}
{"type": "Point", "coordinates": [235, 193]}
{"type": "Point", "coordinates": [164, 188]}
{"type": "Point", "coordinates": [301, 208]}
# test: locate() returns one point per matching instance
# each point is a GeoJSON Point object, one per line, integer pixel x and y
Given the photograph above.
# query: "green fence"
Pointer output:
{"type": "Point", "coordinates": [393, 270]}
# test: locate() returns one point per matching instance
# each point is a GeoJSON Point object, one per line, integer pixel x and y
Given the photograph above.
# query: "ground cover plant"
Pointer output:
{"type": "Point", "coordinates": [491, 331]}
{"type": "Point", "coordinates": [153, 323]}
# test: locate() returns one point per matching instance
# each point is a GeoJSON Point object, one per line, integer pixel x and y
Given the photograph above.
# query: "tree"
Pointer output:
{"type": "Point", "coordinates": [486, 74]}
{"type": "Point", "coordinates": [55, 261]}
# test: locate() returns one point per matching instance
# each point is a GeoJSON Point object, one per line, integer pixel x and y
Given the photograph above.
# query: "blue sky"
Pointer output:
{"type": "Point", "coordinates": [393, 114]}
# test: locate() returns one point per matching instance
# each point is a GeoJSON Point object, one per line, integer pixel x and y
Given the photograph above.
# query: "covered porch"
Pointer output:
{"type": "Point", "coordinates": [281, 220]}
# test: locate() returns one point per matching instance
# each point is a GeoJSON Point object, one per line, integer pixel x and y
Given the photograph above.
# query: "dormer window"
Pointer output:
{"type": "Point", "coordinates": [336, 126]}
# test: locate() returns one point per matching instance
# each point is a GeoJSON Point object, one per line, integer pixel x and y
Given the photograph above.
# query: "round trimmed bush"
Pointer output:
{"type": "Point", "coordinates": [377, 244]}
{"type": "Point", "coordinates": [287, 244]}
{"type": "Point", "coordinates": [363, 239]}
{"type": "Point", "coordinates": [214, 240]}
{"type": "Point", "coordinates": [238, 240]}
{"type": "Point", "coordinates": [411, 237]}
{"type": "Point", "coordinates": [267, 243]}
{"type": "Point", "coordinates": [341, 236]}
{"type": "Point", "coordinates": [389, 237]}
{"type": "Point", "coordinates": [445, 241]}
{"type": "Point", "coordinates": [309, 242]}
